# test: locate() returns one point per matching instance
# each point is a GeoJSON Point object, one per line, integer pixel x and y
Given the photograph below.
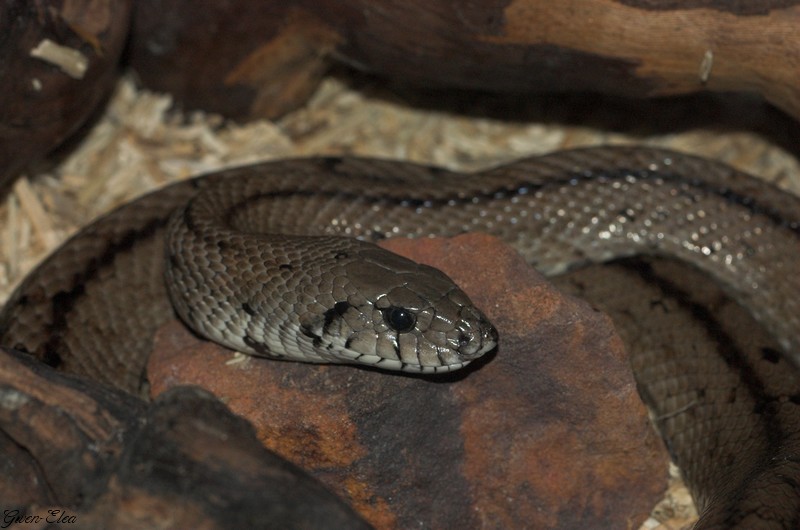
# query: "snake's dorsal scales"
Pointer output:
{"type": "Point", "coordinates": [93, 306]}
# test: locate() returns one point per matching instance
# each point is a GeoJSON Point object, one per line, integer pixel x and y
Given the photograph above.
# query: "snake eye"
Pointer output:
{"type": "Point", "coordinates": [399, 319]}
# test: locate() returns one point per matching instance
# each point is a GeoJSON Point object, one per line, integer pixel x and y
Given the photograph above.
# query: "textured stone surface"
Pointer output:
{"type": "Point", "coordinates": [547, 432]}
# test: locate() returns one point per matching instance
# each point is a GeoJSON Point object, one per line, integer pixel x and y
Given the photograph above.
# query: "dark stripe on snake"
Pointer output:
{"type": "Point", "coordinates": [771, 355]}
{"type": "Point", "coordinates": [747, 202]}
{"type": "Point", "coordinates": [63, 302]}
{"type": "Point", "coordinates": [727, 350]}
{"type": "Point", "coordinates": [308, 332]}
{"type": "Point", "coordinates": [740, 8]}
{"type": "Point", "coordinates": [260, 347]}
{"type": "Point", "coordinates": [187, 217]}
{"type": "Point", "coordinates": [337, 311]}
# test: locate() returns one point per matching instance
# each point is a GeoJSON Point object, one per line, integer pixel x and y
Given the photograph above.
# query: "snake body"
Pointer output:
{"type": "Point", "coordinates": [277, 260]}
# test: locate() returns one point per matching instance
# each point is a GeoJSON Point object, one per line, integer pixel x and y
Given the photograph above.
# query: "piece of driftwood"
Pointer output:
{"type": "Point", "coordinates": [246, 59]}
{"type": "Point", "coordinates": [77, 452]}
{"type": "Point", "coordinates": [58, 61]}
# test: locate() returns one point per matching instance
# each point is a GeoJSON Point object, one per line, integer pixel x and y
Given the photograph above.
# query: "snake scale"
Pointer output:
{"type": "Point", "coordinates": [277, 259]}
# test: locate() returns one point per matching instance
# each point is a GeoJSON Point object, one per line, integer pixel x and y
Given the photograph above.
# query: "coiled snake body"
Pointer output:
{"type": "Point", "coordinates": [246, 267]}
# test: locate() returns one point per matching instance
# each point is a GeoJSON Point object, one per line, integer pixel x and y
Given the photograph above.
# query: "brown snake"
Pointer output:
{"type": "Point", "coordinates": [243, 269]}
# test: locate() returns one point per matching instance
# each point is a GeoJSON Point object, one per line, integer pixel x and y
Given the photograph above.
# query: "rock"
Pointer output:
{"type": "Point", "coordinates": [549, 432]}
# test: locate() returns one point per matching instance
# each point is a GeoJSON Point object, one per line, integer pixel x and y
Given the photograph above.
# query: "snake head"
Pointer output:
{"type": "Point", "coordinates": [392, 313]}
{"type": "Point", "coordinates": [329, 300]}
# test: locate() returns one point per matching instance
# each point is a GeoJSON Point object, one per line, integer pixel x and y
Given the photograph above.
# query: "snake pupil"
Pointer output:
{"type": "Point", "coordinates": [399, 319]}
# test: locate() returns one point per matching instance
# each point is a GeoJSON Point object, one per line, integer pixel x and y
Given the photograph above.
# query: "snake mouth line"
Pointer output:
{"type": "Point", "coordinates": [395, 364]}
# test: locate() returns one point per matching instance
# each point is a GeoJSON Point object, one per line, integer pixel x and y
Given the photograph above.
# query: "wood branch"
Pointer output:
{"type": "Point", "coordinates": [638, 48]}
{"type": "Point", "coordinates": [83, 453]}
{"type": "Point", "coordinates": [58, 62]}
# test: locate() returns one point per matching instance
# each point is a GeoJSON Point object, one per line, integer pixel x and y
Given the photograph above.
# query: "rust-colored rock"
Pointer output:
{"type": "Point", "coordinates": [636, 48]}
{"type": "Point", "coordinates": [58, 61]}
{"type": "Point", "coordinates": [547, 433]}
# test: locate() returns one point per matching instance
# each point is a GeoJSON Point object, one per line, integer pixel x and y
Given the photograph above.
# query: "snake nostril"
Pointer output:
{"type": "Point", "coordinates": [468, 344]}
{"type": "Point", "coordinates": [473, 343]}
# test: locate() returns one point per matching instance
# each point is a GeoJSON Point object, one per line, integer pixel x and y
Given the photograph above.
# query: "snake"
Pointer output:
{"type": "Point", "coordinates": [279, 260]}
